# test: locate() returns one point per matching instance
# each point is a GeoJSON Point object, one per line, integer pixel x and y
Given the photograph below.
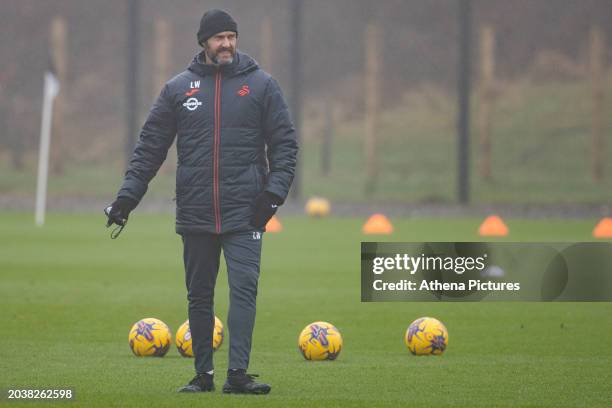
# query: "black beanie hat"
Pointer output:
{"type": "Point", "coordinates": [215, 21]}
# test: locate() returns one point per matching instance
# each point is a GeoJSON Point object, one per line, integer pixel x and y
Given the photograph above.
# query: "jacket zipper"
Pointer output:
{"type": "Point", "coordinates": [216, 144]}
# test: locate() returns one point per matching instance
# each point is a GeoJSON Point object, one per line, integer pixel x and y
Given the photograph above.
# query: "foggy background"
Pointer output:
{"type": "Point", "coordinates": [545, 99]}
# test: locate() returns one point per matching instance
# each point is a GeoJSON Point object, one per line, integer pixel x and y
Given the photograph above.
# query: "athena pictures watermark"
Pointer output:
{"type": "Point", "coordinates": [475, 271]}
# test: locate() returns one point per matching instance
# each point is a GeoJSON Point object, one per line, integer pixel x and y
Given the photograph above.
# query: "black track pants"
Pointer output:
{"type": "Point", "coordinates": [201, 254]}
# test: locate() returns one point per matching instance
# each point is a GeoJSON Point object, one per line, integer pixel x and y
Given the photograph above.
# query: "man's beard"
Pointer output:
{"type": "Point", "coordinates": [214, 58]}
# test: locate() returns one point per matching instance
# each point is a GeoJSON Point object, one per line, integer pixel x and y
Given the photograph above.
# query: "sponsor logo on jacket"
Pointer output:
{"type": "Point", "coordinates": [192, 104]}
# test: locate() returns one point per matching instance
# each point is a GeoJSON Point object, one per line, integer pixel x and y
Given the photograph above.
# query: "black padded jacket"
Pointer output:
{"type": "Point", "coordinates": [234, 139]}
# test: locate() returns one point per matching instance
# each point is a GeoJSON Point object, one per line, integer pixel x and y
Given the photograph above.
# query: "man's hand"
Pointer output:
{"type": "Point", "coordinates": [265, 207]}
{"type": "Point", "coordinates": [119, 211]}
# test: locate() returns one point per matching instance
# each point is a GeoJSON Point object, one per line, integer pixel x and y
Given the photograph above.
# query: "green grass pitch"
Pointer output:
{"type": "Point", "coordinates": [69, 295]}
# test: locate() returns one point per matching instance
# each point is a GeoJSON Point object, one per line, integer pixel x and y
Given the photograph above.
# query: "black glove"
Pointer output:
{"type": "Point", "coordinates": [265, 207]}
{"type": "Point", "coordinates": [119, 211]}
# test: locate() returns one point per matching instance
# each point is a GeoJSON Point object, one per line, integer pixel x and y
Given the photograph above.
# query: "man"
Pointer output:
{"type": "Point", "coordinates": [237, 152]}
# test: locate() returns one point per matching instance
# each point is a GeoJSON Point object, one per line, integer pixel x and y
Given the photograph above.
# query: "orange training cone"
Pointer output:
{"type": "Point", "coordinates": [493, 226]}
{"type": "Point", "coordinates": [604, 228]}
{"type": "Point", "coordinates": [274, 225]}
{"type": "Point", "coordinates": [377, 224]}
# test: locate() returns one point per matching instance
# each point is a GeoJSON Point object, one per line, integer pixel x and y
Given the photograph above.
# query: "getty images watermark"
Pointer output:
{"type": "Point", "coordinates": [423, 263]}
{"type": "Point", "coordinates": [474, 271]}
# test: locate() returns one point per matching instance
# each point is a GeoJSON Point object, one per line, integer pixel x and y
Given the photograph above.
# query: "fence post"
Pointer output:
{"type": "Point", "coordinates": [162, 44]}
{"type": "Point", "coordinates": [463, 101]}
{"type": "Point", "coordinates": [328, 134]}
{"type": "Point", "coordinates": [487, 68]}
{"type": "Point", "coordinates": [596, 64]}
{"type": "Point", "coordinates": [372, 74]}
{"type": "Point", "coordinates": [266, 44]}
{"type": "Point", "coordinates": [59, 148]}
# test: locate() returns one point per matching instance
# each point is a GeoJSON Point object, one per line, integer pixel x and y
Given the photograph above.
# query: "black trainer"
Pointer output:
{"type": "Point", "coordinates": [200, 383]}
{"type": "Point", "coordinates": [239, 382]}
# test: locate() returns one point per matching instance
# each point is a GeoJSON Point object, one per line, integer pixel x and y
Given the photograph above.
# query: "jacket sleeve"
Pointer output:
{"type": "Point", "coordinates": [156, 137]}
{"type": "Point", "coordinates": [281, 141]}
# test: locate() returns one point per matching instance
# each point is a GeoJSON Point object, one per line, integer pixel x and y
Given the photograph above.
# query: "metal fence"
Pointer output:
{"type": "Point", "coordinates": [378, 84]}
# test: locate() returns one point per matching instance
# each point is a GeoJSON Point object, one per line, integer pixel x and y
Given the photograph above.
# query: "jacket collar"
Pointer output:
{"type": "Point", "coordinates": [243, 63]}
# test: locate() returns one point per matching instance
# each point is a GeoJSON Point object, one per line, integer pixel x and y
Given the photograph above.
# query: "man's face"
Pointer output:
{"type": "Point", "coordinates": [221, 47]}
